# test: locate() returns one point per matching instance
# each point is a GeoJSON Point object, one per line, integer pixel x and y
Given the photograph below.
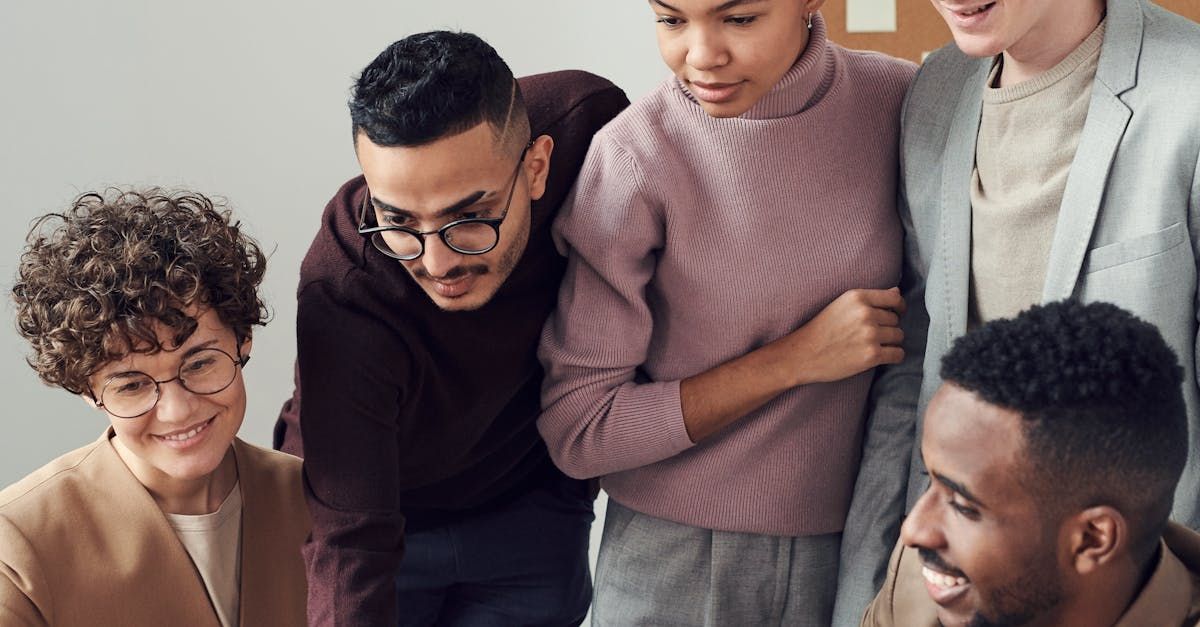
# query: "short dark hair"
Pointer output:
{"type": "Point", "coordinates": [95, 278]}
{"type": "Point", "coordinates": [437, 84]}
{"type": "Point", "coordinates": [1103, 413]}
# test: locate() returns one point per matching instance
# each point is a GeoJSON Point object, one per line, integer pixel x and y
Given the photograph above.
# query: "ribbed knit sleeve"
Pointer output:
{"type": "Point", "coordinates": [599, 416]}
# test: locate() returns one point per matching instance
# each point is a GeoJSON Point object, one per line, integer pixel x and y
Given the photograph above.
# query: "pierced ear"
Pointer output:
{"type": "Point", "coordinates": [814, 5]}
{"type": "Point", "coordinates": [1098, 535]}
{"type": "Point", "coordinates": [537, 165]}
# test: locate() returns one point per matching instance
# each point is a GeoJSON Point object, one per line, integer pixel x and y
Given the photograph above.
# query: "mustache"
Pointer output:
{"type": "Point", "coordinates": [454, 273]}
{"type": "Point", "coordinates": [934, 561]}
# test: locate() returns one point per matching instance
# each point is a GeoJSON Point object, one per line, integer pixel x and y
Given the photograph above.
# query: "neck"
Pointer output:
{"type": "Point", "coordinates": [202, 495]}
{"type": "Point", "coordinates": [1045, 45]}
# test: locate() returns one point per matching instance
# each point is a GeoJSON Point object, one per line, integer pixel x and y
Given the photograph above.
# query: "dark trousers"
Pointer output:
{"type": "Point", "coordinates": [525, 563]}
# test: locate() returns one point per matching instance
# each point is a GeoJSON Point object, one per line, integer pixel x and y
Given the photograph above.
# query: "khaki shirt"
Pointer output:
{"type": "Point", "coordinates": [1170, 599]}
{"type": "Point", "coordinates": [82, 543]}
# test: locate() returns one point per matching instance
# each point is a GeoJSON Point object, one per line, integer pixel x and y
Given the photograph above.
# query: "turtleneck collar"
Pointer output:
{"type": "Point", "coordinates": [801, 87]}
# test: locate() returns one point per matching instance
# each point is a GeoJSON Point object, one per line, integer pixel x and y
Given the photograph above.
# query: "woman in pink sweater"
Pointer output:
{"type": "Point", "coordinates": [734, 245]}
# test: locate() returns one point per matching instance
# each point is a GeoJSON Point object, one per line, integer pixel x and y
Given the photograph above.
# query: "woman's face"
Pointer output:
{"type": "Point", "coordinates": [184, 436]}
{"type": "Point", "coordinates": [728, 54]}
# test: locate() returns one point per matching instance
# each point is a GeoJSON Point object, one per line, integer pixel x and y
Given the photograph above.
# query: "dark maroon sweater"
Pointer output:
{"type": "Point", "coordinates": [411, 413]}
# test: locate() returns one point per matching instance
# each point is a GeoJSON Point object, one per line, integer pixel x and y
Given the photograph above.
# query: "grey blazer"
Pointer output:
{"type": "Point", "coordinates": [1128, 233]}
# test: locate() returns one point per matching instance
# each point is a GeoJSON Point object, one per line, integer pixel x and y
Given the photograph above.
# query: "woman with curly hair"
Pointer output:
{"type": "Point", "coordinates": [143, 302]}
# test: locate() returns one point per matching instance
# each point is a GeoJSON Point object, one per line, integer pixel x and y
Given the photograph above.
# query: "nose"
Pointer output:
{"type": "Point", "coordinates": [922, 526]}
{"type": "Point", "coordinates": [706, 50]}
{"type": "Point", "coordinates": [175, 404]}
{"type": "Point", "coordinates": [439, 258]}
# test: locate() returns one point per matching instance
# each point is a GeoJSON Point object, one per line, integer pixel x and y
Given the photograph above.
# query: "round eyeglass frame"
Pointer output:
{"type": "Point", "coordinates": [376, 232]}
{"type": "Point", "coordinates": [239, 362]}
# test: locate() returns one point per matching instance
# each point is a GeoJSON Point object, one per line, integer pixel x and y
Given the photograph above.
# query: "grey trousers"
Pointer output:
{"type": "Point", "coordinates": [658, 573]}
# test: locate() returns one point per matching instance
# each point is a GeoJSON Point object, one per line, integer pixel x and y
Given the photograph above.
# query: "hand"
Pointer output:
{"type": "Point", "coordinates": [856, 332]}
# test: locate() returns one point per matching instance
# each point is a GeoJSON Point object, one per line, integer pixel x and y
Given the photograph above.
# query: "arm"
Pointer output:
{"type": "Point", "coordinates": [19, 580]}
{"type": "Point", "coordinates": [1187, 506]}
{"type": "Point", "coordinates": [880, 491]}
{"type": "Point", "coordinates": [348, 421]}
{"type": "Point", "coordinates": [600, 417]}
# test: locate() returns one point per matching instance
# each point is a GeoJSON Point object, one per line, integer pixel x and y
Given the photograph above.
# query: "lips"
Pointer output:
{"type": "Point", "coordinates": [969, 16]}
{"type": "Point", "coordinates": [186, 437]}
{"type": "Point", "coordinates": [714, 92]}
{"type": "Point", "coordinates": [944, 588]}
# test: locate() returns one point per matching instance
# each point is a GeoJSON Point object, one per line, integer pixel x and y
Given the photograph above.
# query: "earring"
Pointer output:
{"type": "Point", "coordinates": [810, 21]}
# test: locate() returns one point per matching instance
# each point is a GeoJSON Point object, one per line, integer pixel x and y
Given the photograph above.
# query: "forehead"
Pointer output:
{"type": "Point", "coordinates": [414, 176]}
{"type": "Point", "coordinates": [208, 327]}
{"type": "Point", "coordinates": [974, 443]}
{"type": "Point", "coordinates": [707, 7]}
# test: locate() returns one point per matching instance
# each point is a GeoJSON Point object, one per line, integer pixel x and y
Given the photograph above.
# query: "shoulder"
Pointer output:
{"type": "Point", "coordinates": [276, 466]}
{"type": "Point", "coordinates": [553, 96]}
{"type": "Point", "coordinates": [58, 480]}
{"type": "Point", "coordinates": [877, 70]}
{"type": "Point", "coordinates": [1167, 38]}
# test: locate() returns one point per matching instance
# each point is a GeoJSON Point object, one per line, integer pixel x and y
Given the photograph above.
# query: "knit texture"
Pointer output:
{"type": "Point", "coordinates": [694, 240]}
{"type": "Point", "coordinates": [1028, 135]}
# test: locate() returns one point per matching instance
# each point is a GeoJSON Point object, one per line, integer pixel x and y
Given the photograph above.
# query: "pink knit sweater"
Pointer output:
{"type": "Point", "coordinates": [694, 240]}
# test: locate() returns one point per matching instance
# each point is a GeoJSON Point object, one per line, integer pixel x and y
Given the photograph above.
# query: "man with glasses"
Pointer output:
{"type": "Point", "coordinates": [420, 305]}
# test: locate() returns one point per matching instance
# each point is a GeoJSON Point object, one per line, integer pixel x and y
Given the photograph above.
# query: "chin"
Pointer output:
{"type": "Point", "coordinates": [977, 46]}
{"type": "Point", "coordinates": [470, 301]}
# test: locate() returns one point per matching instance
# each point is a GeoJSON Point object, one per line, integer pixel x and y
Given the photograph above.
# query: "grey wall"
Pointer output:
{"type": "Point", "coordinates": [241, 99]}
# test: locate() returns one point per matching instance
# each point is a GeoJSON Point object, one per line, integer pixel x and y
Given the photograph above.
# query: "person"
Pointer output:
{"type": "Point", "coordinates": [734, 246]}
{"type": "Point", "coordinates": [420, 303]}
{"type": "Point", "coordinates": [142, 301]}
{"type": "Point", "coordinates": [1051, 151]}
{"type": "Point", "coordinates": [1054, 445]}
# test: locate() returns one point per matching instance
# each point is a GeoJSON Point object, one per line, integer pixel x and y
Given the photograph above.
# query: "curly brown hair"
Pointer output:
{"type": "Point", "coordinates": [93, 280]}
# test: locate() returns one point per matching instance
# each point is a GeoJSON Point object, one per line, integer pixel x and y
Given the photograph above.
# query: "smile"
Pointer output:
{"type": "Point", "coordinates": [188, 434]}
{"type": "Point", "coordinates": [944, 589]}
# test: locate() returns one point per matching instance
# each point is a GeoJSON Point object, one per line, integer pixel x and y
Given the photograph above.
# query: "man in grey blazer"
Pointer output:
{"type": "Point", "coordinates": [1052, 151]}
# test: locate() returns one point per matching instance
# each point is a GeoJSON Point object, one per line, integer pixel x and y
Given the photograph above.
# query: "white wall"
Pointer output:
{"type": "Point", "coordinates": [241, 99]}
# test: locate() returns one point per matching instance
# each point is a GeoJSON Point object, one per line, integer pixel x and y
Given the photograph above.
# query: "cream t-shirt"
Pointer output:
{"type": "Point", "coordinates": [214, 543]}
{"type": "Point", "coordinates": [1028, 135]}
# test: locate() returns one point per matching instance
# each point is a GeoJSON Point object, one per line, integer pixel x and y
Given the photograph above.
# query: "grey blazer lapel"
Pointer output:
{"type": "Point", "coordinates": [1107, 119]}
{"type": "Point", "coordinates": [957, 168]}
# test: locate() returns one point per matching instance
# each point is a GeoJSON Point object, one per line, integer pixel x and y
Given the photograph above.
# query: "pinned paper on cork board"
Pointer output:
{"type": "Point", "coordinates": [909, 29]}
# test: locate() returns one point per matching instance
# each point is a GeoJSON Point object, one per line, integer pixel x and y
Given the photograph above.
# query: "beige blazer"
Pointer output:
{"type": "Point", "coordinates": [83, 543]}
{"type": "Point", "coordinates": [1171, 597]}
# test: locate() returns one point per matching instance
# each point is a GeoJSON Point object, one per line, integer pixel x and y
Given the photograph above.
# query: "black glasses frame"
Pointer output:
{"type": "Point", "coordinates": [375, 232]}
{"type": "Point", "coordinates": [238, 362]}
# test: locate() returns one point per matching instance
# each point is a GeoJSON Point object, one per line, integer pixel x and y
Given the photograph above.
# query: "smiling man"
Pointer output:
{"type": "Point", "coordinates": [420, 304]}
{"type": "Point", "coordinates": [1054, 446]}
{"type": "Point", "coordinates": [1051, 151]}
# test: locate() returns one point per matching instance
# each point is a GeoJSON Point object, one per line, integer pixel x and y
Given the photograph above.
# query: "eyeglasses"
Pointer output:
{"type": "Point", "coordinates": [469, 236]}
{"type": "Point", "coordinates": [206, 371]}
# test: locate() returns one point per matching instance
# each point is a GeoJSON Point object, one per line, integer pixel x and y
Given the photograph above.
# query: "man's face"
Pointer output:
{"type": "Point", "coordinates": [984, 28]}
{"type": "Point", "coordinates": [468, 175]}
{"type": "Point", "coordinates": [989, 557]}
{"type": "Point", "coordinates": [185, 436]}
{"type": "Point", "coordinates": [729, 58]}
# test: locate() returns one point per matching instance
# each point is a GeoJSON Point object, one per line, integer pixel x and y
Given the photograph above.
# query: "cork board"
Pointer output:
{"type": "Point", "coordinates": [910, 28]}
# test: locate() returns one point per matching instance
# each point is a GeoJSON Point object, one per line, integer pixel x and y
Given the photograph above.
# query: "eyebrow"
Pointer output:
{"type": "Point", "coordinates": [957, 487]}
{"type": "Point", "coordinates": [724, 6]}
{"type": "Point", "coordinates": [191, 351]}
{"type": "Point", "coordinates": [451, 209]}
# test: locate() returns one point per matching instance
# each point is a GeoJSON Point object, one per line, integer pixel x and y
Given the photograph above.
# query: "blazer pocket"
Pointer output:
{"type": "Point", "coordinates": [1136, 248]}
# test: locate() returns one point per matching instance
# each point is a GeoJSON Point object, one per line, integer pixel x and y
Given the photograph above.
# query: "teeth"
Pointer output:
{"type": "Point", "coordinates": [940, 580]}
{"type": "Point", "coordinates": [979, 9]}
{"type": "Point", "coordinates": [180, 437]}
